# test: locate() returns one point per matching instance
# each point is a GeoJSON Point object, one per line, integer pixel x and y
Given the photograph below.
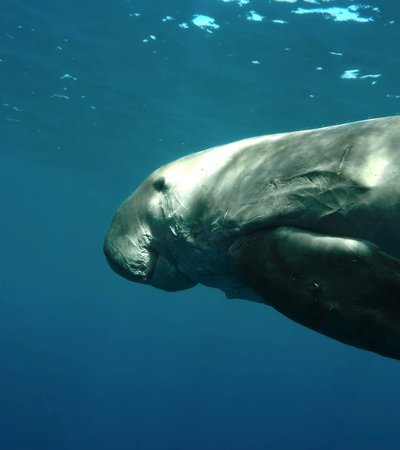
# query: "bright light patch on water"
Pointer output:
{"type": "Point", "coordinates": [239, 2]}
{"type": "Point", "coordinates": [252, 15]}
{"type": "Point", "coordinates": [351, 13]}
{"type": "Point", "coordinates": [14, 108]}
{"type": "Point", "coordinates": [151, 37]}
{"type": "Point", "coordinates": [350, 74]}
{"type": "Point", "coordinates": [204, 22]}
{"type": "Point", "coordinates": [376, 75]}
{"type": "Point", "coordinates": [279, 21]}
{"type": "Point", "coordinates": [64, 97]}
{"type": "Point", "coordinates": [68, 76]}
{"type": "Point", "coordinates": [354, 74]}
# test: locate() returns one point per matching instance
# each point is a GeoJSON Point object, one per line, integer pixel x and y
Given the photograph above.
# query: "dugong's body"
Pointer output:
{"type": "Point", "coordinates": [308, 222]}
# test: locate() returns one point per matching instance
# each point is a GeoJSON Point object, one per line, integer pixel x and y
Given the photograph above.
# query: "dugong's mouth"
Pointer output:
{"type": "Point", "coordinates": [139, 269]}
{"type": "Point", "coordinates": [146, 266]}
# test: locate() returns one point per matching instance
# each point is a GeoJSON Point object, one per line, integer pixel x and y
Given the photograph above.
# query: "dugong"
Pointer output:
{"type": "Point", "coordinates": [307, 222]}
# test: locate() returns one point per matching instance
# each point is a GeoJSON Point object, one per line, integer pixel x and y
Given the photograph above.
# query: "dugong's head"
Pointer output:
{"type": "Point", "coordinates": [136, 243]}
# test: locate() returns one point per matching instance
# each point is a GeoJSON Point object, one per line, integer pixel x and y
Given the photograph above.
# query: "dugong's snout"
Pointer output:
{"type": "Point", "coordinates": [130, 261]}
{"type": "Point", "coordinates": [135, 260]}
{"type": "Point", "coordinates": [146, 267]}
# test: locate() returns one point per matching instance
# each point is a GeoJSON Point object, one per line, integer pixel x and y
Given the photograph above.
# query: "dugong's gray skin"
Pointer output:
{"type": "Point", "coordinates": [307, 222]}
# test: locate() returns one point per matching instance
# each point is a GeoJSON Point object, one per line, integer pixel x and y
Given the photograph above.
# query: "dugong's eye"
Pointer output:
{"type": "Point", "coordinates": [160, 185]}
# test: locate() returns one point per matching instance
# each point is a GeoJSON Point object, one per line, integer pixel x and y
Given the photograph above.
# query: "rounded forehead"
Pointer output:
{"type": "Point", "coordinates": [207, 162]}
{"type": "Point", "coordinates": [187, 171]}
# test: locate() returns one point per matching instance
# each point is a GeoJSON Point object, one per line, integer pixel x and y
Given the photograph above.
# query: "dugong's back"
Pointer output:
{"type": "Point", "coordinates": [337, 180]}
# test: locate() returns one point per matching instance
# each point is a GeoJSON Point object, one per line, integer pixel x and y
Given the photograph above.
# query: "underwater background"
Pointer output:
{"type": "Point", "coordinates": [94, 96]}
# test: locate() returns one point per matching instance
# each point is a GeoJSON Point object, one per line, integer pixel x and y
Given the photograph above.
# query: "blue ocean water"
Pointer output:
{"type": "Point", "coordinates": [94, 96]}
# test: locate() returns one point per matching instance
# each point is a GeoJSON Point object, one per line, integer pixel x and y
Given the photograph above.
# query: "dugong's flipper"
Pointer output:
{"type": "Point", "coordinates": [347, 289]}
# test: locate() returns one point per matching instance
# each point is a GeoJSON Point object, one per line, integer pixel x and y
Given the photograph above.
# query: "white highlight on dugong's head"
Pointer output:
{"type": "Point", "coordinates": [135, 241]}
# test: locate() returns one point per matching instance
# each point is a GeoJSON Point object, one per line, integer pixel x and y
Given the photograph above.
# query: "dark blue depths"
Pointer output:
{"type": "Point", "coordinates": [90, 361]}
